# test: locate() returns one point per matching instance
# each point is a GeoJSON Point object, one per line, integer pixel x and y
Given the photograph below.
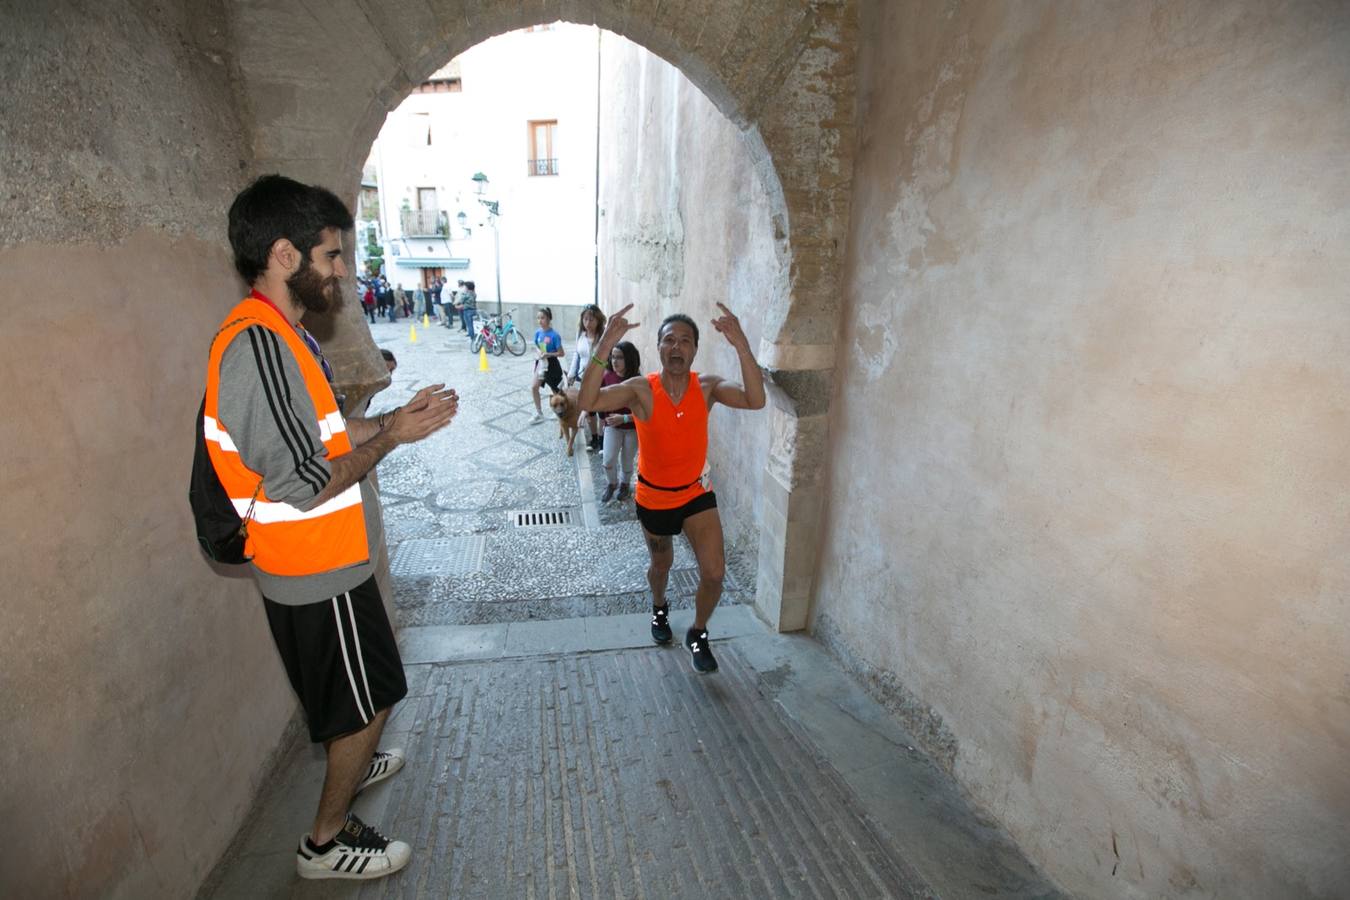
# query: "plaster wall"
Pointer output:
{"type": "Point", "coordinates": [1087, 494]}
{"type": "Point", "coordinates": [686, 223]}
{"type": "Point", "coordinates": [139, 690]}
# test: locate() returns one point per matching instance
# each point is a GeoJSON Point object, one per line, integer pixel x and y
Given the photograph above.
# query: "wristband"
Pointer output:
{"type": "Point", "coordinates": [383, 420]}
{"type": "Point", "coordinates": [597, 361]}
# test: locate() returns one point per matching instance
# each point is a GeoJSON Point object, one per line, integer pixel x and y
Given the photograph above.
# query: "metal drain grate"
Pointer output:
{"type": "Point", "coordinates": [685, 581]}
{"type": "Point", "coordinates": [541, 518]}
{"type": "Point", "coordinates": [438, 556]}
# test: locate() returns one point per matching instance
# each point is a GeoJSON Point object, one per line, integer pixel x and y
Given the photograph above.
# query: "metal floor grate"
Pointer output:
{"type": "Point", "coordinates": [542, 518]}
{"type": "Point", "coordinates": [685, 581]}
{"type": "Point", "coordinates": [439, 556]}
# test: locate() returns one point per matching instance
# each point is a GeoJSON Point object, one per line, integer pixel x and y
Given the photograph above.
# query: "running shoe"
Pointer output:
{"type": "Point", "coordinates": [358, 851]}
{"type": "Point", "coordinates": [661, 624]}
{"type": "Point", "coordinates": [700, 651]}
{"type": "Point", "coordinates": [538, 417]}
{"type": "Point", "coordinates": [623, 492]}
{"type": "Point", "coordinates": [609, 493]}
{"type": "Point", "coordinates": [383, 764]}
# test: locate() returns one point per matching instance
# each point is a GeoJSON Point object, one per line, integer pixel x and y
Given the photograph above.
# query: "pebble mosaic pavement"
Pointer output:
{"type": "Point", "coordinates": [490, 461]}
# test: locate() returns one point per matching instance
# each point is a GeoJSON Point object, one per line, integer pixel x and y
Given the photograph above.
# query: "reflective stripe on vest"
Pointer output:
{"type": "Point", "coordinates": [283, 539]}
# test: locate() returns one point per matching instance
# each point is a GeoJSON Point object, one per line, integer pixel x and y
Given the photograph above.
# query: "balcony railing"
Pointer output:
{"type": "Point", "coordinates": [424, 222]}
{"type": "Point", "coordinates": [543, 167]}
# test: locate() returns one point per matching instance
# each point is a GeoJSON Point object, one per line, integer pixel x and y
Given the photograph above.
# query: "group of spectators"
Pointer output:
{"type": "Point", "coordinates": [454, 306]}
{"type": "Point", "coordinates": [437, 300]}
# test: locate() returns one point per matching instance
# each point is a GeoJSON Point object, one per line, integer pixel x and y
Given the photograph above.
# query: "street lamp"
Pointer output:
{"type": "Point", "coordinates": [480, 183]}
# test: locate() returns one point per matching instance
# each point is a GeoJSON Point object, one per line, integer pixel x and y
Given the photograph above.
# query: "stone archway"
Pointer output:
{"type": "Point", "coordinates": [781, 70]}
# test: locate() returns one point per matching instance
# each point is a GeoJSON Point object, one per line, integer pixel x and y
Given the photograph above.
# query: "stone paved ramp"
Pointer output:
{"type": "Point", "coordinates": [619, 775]}
{"type": "Point", "coordinates": [573, 759]}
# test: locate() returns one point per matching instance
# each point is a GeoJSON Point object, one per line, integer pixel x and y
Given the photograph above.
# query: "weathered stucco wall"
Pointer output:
{"type": "Point", "coordinates": [1087, 520]}
{"type": "Point", "coordinates": [139, 691]}
{"type": "Point", "coordinates": [686, 223]}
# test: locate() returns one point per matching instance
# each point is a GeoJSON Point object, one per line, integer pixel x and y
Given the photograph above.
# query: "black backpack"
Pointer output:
{"type": "Point", "coordinates": [220, 531]}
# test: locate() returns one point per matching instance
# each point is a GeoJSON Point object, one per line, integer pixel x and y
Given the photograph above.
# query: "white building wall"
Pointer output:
{"type": "Point", "coordinates": [547, 223]}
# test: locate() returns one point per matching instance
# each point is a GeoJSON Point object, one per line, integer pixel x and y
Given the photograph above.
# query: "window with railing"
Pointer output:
{"type": "Point", "coordinates": [543, 137]}
{"type": "Point", "coordinates": [419, 222]}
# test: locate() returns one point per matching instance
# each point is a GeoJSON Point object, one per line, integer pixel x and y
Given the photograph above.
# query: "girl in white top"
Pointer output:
{"type": "Point", "coordinates": [589, 329]}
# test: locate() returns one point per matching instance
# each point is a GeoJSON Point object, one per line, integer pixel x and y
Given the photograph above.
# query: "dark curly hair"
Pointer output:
{"type": "Point", "coordinates": [275, 207]}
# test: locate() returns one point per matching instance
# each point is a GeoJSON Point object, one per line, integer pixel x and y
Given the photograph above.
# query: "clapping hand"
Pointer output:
{"type": "Point", "coordinates": [430, 410]}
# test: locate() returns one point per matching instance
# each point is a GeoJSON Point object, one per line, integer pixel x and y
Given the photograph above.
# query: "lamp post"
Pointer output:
{"type": "Point", "coordinates": [480, 188]}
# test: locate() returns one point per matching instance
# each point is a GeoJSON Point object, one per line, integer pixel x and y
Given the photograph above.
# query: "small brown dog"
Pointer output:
{"type": "Point", "coordinates": [564, 405]}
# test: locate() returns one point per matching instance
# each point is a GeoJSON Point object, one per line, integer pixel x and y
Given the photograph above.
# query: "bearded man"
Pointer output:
{"type": "Point", "coordinates": [296, 470]}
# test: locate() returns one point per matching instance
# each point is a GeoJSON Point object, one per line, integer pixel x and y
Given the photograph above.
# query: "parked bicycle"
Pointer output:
{"type": "Point", "coordinates": [498, 335]}
{"type": "Point", "coordinates": [513, 337]}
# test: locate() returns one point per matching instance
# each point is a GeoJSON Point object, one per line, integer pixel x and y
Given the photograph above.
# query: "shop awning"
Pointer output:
{"type": "Point", "coordinates": [425, 253]}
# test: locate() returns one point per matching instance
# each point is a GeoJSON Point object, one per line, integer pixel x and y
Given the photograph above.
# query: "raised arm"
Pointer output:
{"type": "Point", "coordinates": [632, 393]}
{"type": "Point", "coordinates": [750, 393]}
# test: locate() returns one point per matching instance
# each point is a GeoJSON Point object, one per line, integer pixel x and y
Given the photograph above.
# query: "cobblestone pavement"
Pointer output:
{"type": "Point", "coordinates": [456, 555]}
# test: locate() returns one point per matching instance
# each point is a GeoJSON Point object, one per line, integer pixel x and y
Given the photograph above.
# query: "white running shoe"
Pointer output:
{"type": "Point", "coordinates": [358, 852]}
{"type": "Point", "coordinates": [538, 417]}
{"type": "Point", "coordinates": [383, 764]}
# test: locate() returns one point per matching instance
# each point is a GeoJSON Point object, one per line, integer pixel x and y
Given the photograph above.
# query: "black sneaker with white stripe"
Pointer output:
{"type": "Point", "coordinates": [700, 650]}
{"type": "Point", "coordinates": [358, 851]}
{"type": "Point", "coordinates": [661, 624]}
{"type": "Point", "coordinates": [383, 764]}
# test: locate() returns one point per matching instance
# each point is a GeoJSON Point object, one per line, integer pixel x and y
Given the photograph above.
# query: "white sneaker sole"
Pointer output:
{"type": "Point", "coordinates": [306, 869]}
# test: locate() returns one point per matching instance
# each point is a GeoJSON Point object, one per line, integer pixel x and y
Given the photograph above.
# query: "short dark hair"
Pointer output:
{"type": "Point", "coordinates": [275, 207]}
{"type": "Point", "coordinates": [470, 285]}
{"type": "Point", "coordinates": [632, 360]}
{"type": "Point", "coordinates": [677, 317]}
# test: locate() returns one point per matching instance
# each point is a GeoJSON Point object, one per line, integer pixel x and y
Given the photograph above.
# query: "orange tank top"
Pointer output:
{"type": "Point", "coordinates": [672, 446]}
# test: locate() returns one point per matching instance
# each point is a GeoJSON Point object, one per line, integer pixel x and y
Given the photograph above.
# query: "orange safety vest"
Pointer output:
{"type": "Point", "coordinates": [672, 446]}
{"type": "Point", "coordinates": [282, 539]}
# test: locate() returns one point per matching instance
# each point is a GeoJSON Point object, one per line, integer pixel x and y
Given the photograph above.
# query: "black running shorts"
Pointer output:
{"type": "Point", "coordinates": [671, 521]}
{"type": "Point", "coordinates": [553, 374]}
{"type": "Point", "coordinates": [341, 657]}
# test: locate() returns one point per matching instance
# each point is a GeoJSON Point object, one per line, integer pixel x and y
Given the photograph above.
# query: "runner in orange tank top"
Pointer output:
{"type": "Point", "coordinates": [670, 409]}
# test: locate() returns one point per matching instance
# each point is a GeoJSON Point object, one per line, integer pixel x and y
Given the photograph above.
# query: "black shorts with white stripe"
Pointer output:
{"type": "Point", "coordinates": [341, 657]}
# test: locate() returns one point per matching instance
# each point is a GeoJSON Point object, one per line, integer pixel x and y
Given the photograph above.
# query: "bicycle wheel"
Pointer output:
{"type": "Point", "coordinates": [498, 345]}
{"type": "Point", "coordinates": [477, 343]}
{"type": "Point", "coordinates": [515, 342]}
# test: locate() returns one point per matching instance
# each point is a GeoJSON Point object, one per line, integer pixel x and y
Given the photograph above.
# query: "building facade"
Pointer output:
{"type": "Point", "coordinates": [487, 173]}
